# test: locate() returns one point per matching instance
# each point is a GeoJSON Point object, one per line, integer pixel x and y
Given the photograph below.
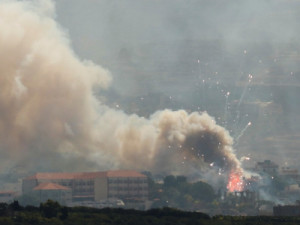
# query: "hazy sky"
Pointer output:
{"type": "Point", "coordinates": [116, 82]}
{"type": "Point", "coordinates": [110, 25]}
{"type": "Point", "coordinates": [195, 52]}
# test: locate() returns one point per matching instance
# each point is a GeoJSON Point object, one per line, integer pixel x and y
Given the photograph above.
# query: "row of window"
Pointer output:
{"type": "Point", "coordinates": [120, 181]}
{"type": "Point", "coordinates": [90, 182]}
{"type": "Point", "coordinates": [120, 196]}
{"type": "Point", "coordinates": [118, 188]}
{"type": "Point", "coordinates": [55, 194]}
{"type": "Point", "coordinates": [70, 183]}
{"type": "Point", "coordinates": [66, 184]}
{"type": "Point", "coordinates": [83, 190]}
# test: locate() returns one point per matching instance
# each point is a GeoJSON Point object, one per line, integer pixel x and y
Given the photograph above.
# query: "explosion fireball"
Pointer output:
{"type": "Point", "coordinates": [235, 181]}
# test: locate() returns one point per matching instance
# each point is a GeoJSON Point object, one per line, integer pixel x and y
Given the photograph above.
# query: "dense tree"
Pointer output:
{"type": "Point", "coordinates": [177, 192]}
{"type": "Point", "coordinates": [50, 208]}
{"type": "Point", "coordinates": [170, 181]}
{"type": "Point", "coordinates": [15, 206]}
{"type": "Point", "coordinates": [3, 208]}
{"type": "Point", "coordinates": [92, 216]}
{"type": "Point", "coordinates": [25, 200]}
{"type": "Point", "coordinates": [202, 191]}
{"type": "Point", "coordinates": [64, 213]}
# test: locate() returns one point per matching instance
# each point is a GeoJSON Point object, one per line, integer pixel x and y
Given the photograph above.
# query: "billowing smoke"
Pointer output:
{"type": "Point", "coordinates": [50, 118]}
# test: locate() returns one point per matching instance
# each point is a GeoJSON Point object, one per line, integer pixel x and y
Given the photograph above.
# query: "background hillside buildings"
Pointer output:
{"type": "Point", "coordinates": [267, 166]}
{"type": "Point", "coordinates": [269, 185]}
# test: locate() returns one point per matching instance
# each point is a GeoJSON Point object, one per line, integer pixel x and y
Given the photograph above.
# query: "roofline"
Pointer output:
{"type": "Point", "coordinates": [85, 175]}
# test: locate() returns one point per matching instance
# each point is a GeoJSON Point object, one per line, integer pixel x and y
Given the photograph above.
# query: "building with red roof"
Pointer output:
{"type": "Point", "coordinates": [126, 185]}
{"type": "Point", "coordinates": [55, 192]}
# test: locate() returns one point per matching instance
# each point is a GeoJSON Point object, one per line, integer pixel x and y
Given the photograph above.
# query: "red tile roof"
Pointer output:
{"type": "Point", "coordinates": [8, 192]}
{"type": "Point", "coordinates": [84, 175]}
{"type": "Point", "coordinates": [65, 176]}
{"type": "Point", "coordinates": [52, 176]}
{"type": "Point", "coordinates": [90, 175]}
{"type": "Point", "coordinates": [50, 186]}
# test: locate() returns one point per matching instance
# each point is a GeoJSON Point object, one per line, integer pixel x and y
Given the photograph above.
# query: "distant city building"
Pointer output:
{"type": "Point", "coordinates": [239, 197]}
{"type": "Point", "coordinates": [291, 174]}
{"type": "Point", "coordinates": [90, 186]}
{"type": "Point", "coordinates": [267, 167]}
{"type": "Point", "coordinates": [7, 196]}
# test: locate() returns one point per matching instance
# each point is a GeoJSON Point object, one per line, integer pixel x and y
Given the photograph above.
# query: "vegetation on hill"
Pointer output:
{"type": "Point", "coordinates": [177, 192]}
{"type": "Point", "coordinates": [51, 213]}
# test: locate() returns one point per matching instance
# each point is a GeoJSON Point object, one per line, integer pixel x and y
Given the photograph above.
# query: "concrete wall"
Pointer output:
{"type": "Point", "coordinates": [61, 196]}
{"type": "Point", "coordinates": [101, 189]}
{"type": "Point", "coordinates": [128, 187]}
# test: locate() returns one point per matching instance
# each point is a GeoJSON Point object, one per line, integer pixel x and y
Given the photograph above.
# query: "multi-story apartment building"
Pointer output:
{"type": "Point", "coordinates": [121, 185]}
{"type": "Point", "coordinates": [94, 186]}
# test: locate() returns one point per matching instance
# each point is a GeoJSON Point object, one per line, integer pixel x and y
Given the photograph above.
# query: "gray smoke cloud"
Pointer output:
{"type": "Point", "coordinates": [51, 119]}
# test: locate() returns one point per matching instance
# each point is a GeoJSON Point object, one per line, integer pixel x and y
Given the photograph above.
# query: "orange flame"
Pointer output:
{"type": "Point", "coordinates": [235, 182]}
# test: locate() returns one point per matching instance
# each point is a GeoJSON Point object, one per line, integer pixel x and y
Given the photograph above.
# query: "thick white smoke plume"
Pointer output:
{"type": "Point", "coordinates": [50, 118]}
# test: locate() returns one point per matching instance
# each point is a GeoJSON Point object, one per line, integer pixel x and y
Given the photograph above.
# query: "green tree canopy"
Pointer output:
{"type": "Point", "coordinates": [50, 208]}
{"type": "Point", "coordinates": [202, 191]}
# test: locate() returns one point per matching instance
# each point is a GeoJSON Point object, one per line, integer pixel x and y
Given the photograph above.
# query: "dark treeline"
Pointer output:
{"type": "Point", "coordinates": [177, 192]}
{"type": "Point", "coordinates": [52, 213]}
